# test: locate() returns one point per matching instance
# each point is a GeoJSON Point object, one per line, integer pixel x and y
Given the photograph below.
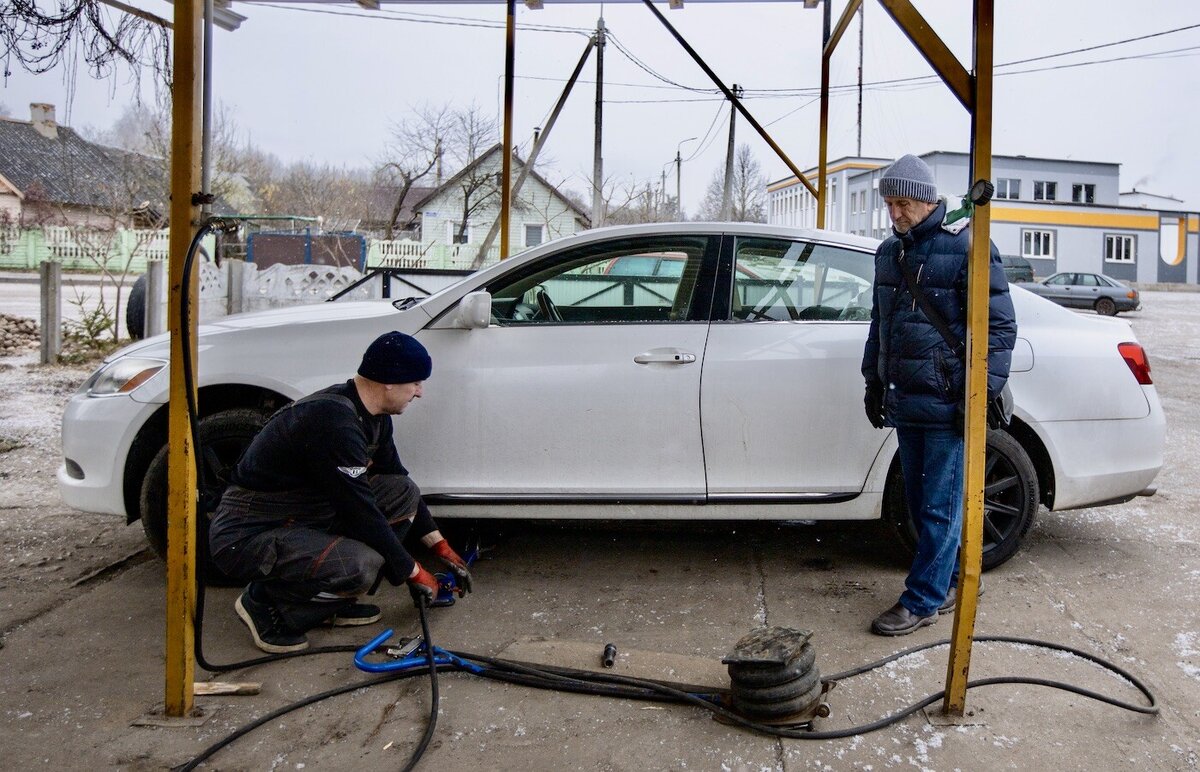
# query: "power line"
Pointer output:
{"type": "Point", "coordinates": [412, 17]}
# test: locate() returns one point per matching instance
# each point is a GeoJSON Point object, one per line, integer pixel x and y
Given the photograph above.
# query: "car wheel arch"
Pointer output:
{"type": "Point", "coordinates": [152, 436]}
{"type": "Point", "coordinates": [894, 507]}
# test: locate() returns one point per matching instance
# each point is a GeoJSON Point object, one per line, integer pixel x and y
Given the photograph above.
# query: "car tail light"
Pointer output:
{"type": "Point", "coordinates": [1135, 356]}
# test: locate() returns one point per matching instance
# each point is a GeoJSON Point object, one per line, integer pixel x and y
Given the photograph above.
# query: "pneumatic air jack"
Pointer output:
{"type": "Point", "coordinates": [774, 680]}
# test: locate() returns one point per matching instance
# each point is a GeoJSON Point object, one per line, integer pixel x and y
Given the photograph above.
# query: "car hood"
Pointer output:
{"type": "Point", "coordinates": [295, 318]}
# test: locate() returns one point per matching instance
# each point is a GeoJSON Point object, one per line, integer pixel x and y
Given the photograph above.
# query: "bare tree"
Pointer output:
{"type": "Point", "coordinates": [748, 194]}
{"type": "Point", "coordinates": [637, 201]}
{"type": "Point", "coordinates": [472, 134]}
{"type": "Point", "coordinates": [416, 148]}
{"type": "Point", "coordinates": [146, 130]}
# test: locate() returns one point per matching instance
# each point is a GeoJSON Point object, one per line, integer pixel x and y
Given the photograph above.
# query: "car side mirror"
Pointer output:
{"type": "Point", "coordinates": [474, 311]}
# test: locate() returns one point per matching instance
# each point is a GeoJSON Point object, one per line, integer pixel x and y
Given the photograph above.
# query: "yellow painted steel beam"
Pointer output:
{"type": "Point", "coordinates": [840, 29]}
{"type": "Point", "coordinates": [823, 140]}
{"type": "Point", "coordinates": [733, 99]}
{"type": "Point", "coordinates": [823, 144]}
{"type": "Point", "coordinates": [932, 48]}
{"type": "Point", "coordinates": [959, 664]}
{"type": "Point", "coordinates": [181, 469]}
{"type": "Point", "coordinates": [510, 55]}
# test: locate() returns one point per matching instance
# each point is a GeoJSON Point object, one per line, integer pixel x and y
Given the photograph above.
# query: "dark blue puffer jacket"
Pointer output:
{"type": "Point", "coordinates": [923, 379]}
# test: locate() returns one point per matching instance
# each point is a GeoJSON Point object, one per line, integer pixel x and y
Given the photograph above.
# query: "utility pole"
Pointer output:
{"type": "Point", "coordinates": [862, 17]}
{"type": "Point", "coordinates": [727, 190]}
{"type": "Point", "coordinates": [678, 175]}
{"type": "Point", "coordinates": [597, 157]}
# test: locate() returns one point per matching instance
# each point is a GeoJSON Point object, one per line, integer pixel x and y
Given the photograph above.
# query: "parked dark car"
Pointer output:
{"type": "Point", "coordinates": [1087, 290]}
{"type": "Point", "coordinates": [1017, 268]}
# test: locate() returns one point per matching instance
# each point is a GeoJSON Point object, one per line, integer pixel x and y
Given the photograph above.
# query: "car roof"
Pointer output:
{"type": "Point", "coordinates": [709, 229]}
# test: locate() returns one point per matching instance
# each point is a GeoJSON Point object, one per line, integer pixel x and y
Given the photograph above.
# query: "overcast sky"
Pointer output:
{"type": "Point", "coordinates": [324, 82]}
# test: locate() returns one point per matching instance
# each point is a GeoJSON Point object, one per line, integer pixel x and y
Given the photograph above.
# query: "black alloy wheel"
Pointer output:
{"type": "Point", "coordinates": [1010, 500]}
{"type": "Point", "coordinates": [223, 438]}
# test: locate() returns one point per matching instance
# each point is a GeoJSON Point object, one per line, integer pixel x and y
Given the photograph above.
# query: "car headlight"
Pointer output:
{"type": "Point", "coordinates": [121, 376]}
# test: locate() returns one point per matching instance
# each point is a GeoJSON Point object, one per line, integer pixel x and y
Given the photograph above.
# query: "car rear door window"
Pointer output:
{"type": "Point", "coordinates": [783, 280]}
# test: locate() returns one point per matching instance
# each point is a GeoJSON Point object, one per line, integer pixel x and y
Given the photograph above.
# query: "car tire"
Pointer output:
{"type": "Point", "coordinates": [223, 437]}
{"type": "Point", "coordinates": [135, 309]}
{"type": "Point", "coordinates": [1009, 507]}
{"type": "Point", "coordinates": [1106, 307]}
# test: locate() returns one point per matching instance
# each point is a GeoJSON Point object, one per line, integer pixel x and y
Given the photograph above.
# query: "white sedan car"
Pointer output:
{"type": "Point", "coordinates": [686, 371]}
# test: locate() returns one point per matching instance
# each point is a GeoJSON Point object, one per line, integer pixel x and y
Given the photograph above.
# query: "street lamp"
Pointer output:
{"type": "Point", "coordinates": [678, 175]}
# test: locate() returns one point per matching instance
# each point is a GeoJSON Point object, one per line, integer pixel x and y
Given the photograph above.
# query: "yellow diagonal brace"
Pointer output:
{"type": "Point", "coordinates": [181, 469]}
{"type": "Point", "coordinates": [932, 48]}
{"type": "Point", "coordinates": [959, 664]}
{"type": "Point", "coordinates": [836, 36]}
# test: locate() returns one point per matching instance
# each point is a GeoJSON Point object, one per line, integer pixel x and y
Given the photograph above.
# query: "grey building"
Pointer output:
{"type": "Point", "coordinates": [1061, 215]}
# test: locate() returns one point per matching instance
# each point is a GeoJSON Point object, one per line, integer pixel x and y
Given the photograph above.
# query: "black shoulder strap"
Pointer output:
{"type": "Point", "coordinates": [927, 308]}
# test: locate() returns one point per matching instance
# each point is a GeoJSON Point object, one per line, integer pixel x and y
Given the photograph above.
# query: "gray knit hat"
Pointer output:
{"type": "Point", "coordinates": [910, 177]}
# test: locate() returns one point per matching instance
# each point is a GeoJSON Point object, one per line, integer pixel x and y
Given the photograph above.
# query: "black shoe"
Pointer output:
{"type": "Point", "coordinates": [952, 598]}
{"type": "Point", "coordinates": [899, 621]}
{"type": "Point", "coordinates": [355, 614]}
{"type": "Point", "coordinates": [267, 627]}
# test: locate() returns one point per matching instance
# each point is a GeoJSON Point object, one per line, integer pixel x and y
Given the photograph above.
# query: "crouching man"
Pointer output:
{"type": "Point", "coordinates": [320, 504]}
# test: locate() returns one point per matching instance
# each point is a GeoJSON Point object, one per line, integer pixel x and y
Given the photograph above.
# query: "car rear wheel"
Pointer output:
{"type": "Point", "coordinates": [1010, 500]}
{"type": "Point", "coordinates": [223, 437]}
{"type": "Point", "coordinates": [1106, 307]}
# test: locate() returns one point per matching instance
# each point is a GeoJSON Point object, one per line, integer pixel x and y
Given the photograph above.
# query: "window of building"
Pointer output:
{"type": "Point", "coordinates": [1119, 248]}
{"type": "Point", "coordinates": [1045, 191]}
{"type": "Point", "coordinates": [1037, 244]}
{"type": "Point", "coordinates": [1008, 187]}
{"type": "Point", "coordinates": [456, 234]}
{"type": "Point", "coordinates": [1083, 193]}
{"type": "Point", "coordinates": [534, 234]}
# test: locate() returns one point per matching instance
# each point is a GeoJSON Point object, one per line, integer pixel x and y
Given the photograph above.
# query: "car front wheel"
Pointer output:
{"type": "Point", "coordinates": [223, 437]}
{"type": "Point", "coordinates": [1106, 307]}
{"type": "Point", "coordinates": [1010, 500]}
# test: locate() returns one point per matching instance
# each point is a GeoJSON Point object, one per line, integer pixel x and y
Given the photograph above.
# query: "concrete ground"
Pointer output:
{"type": "Point", "coordinates": [82, 655]}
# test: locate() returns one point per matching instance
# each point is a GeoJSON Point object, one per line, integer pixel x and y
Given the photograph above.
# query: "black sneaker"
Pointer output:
{"type": "Point", "coordinates": [268, 629]}
{"type": "Point", "coordinates": [355, 614]}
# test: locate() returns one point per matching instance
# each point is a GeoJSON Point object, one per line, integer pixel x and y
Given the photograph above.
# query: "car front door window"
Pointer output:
{"type": "Point", "coordinates": [633, 281]}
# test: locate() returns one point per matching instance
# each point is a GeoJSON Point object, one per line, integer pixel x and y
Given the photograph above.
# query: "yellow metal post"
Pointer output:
{"type": "Point", "coordinates": [829, 45]}
{"type": "Point", "coordinates": [510, 47]}
{"type": "Point", "coordinates": [959, 664]}
{"type": "Point", "coordinates": [181, 470]}
{"type": "Point", "coordinates": [823, 145]}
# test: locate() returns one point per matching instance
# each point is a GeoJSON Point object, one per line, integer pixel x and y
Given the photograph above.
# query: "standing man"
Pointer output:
{"type": "Point", "coordinates": [917, 383]}
{"type": "Point", "coordinates": [319, 504]}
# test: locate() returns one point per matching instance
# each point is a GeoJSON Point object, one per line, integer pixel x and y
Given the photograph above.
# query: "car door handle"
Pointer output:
{"type": "Point", "coordinates": [667, 356]}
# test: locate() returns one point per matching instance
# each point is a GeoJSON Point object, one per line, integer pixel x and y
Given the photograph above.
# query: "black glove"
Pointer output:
{"type": "Point", "coordinates": [873, 404]}
{"type": "Point", "coordinates": [422, 586]}
{"type": "Point", "coordinates": [995, 413]}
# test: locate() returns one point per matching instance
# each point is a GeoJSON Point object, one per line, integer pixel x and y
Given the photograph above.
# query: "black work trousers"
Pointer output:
{"type": "Point", "coordinates": [289, 548]}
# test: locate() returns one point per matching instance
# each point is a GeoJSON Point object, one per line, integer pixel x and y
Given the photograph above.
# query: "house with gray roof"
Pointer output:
{"type": "Point", "coordinates": [456, 216]}
{"type": "Point", "coordinates": [50, 175]}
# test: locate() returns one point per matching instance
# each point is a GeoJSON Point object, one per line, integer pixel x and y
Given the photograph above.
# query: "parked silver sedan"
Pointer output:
{"type": "Point", "coordinates": [1087, 290]}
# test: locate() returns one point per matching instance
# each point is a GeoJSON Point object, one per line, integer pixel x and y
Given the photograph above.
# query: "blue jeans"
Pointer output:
{"type": "Point", "coordinates": [932, 464]}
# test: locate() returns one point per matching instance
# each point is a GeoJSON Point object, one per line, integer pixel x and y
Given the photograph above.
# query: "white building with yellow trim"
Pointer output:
{"type": "Point", "coordinates": [1061, 215]}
